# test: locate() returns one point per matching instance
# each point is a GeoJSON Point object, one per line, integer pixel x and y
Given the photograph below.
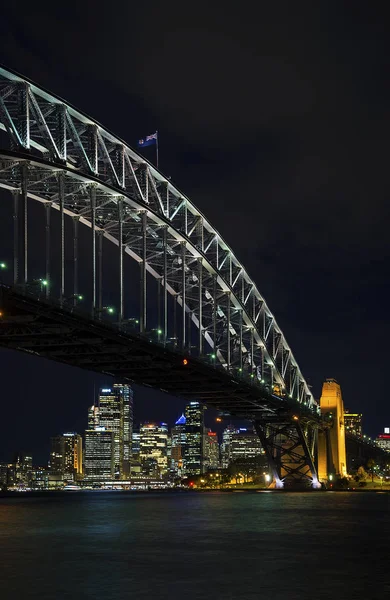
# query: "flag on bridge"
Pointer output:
{"type": "Point", "coordinates": [149, 140]}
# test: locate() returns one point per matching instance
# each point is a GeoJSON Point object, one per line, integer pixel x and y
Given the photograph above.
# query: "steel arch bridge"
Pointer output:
{"type": "Point", "coordinates": [241, 361]}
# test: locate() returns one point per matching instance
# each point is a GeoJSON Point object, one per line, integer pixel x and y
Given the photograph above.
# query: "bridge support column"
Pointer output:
{"type": "Point", "coordinates": [183, 294]}
{"type": "Point", "coordinates": [47, 208]}
{"type": "Point", "coordinates": [61, 192]}
{"type": "Point", "coordinates": [143, 290]}
{"type": "Point", "coordinates": [16, 237]}
{"type": "Point", "coordinates": [331, 450]}
{"type": "Point", "coordinates": [120, 255]}
{"type": "Point", "coordinates": [92, 195]}
{"type": "Point", "coordinates": [289, 445]}
{"type": "Point", "coordinates": [24, 222]}
{"type": "Point", "coordinates": [75, 258]}
{"type": "Point", "coordinates": [100, 271]}
{"type": "Point", "coordinates": [200, 311]}
{"type": "Point", "coordinates": [215, 308]}
{"type": "Point", "coordinates": [165, 296]}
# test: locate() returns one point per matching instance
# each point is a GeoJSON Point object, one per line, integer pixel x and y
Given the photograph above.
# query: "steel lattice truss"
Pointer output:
{"type": "Point", "coordinates": [64, 159]}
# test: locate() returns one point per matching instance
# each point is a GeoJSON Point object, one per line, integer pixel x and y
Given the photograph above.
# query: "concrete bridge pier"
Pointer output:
{"type": "Point", "coordinates": [332, 460]}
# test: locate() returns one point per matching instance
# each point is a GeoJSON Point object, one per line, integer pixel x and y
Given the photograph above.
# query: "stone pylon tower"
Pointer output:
{"type": "Point", "coordinates": [331, 441]}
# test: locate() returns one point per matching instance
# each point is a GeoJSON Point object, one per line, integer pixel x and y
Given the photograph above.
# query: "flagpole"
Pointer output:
{"type": "Point", "coordinates": [157, 148]}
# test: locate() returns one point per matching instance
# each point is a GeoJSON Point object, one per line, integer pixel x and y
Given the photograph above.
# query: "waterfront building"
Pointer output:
{"type": "Point", "coordinates": [211, 451]}
{"type": "Point", "coordinates": [93, 417]}
{"type": "Point", "coordinates": [353, 423]}
{"type": "Point", "coordinates": [383, 440]}
{"type": "Point", "coordinates": [135, 447]}
{"type": "Point", "coordinates": [116, 414]}
{"type": "Point", "coordinates": [99, 459]}
{"type": "Point", "coordinates": [226, 446]}
{"type": "Point", "coordinates": [194, 428]}
{"type": "Point", "coordinates": [244, 445]}
{"type": "Point", "coordinates": [66, 457]}
{"type": "Point", "coordinates": [3, 476]}
{"type": "Point", "coordinates": [39, 479]}
{"type": "Point", "coordinates": [178, 447]}
{"type": "Point", "coordinates": [22, 466]}
{"type": "Point", "coordinates": [153, 448]}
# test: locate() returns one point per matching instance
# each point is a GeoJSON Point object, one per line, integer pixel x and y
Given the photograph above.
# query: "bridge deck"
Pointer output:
{"type": "Point", "coordinates": [45, 329]}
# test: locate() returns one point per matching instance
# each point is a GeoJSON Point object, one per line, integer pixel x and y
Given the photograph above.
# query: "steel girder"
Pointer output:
{"type": "Point", "coordinates": [66, 160]}
{"type": "Point", "coordinates": [290, 444]}
{"type": "Point", "coordinates": [43, 327]}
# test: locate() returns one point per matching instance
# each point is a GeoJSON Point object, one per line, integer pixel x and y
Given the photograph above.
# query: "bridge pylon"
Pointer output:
{"type": "Point", "coordinates": [332, 461]}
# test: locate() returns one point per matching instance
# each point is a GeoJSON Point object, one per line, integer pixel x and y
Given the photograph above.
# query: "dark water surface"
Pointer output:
{"type": "Point", "coordinates": [207, 545]}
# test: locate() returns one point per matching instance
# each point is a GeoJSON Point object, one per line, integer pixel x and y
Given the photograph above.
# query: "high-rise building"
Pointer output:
{"type": "Point", "coordinates": [66, 456]}
{"type": "Point", "coordinates": [245, 445]}
{"type": "Point", "coordinates": [226, 446]}
{"type": "Point", "coordinates": [193, 457]}
{"type": "Point", "coordinates": [353, 423]}
{"type": "Point", "coordinates": [383, 439]}
{"type": "Point", "coordinates": [99, 458]}
{"type": "Point", "coordinates": [153, 447]}
{"type": "Point", "coordinates": [93, 417]}
{"type": "Point", "coordinates": [3, 476]}
{"type": "Point", "coordinates": [22, 467]}
{"type": "Point", "coordinates": [211, 451]}
{"type": "Point", "coordinates": [178, 447]}
{"type": "Point", "coordinates": [115, 413]}
{"type": "Point", "coordinates": [135, 447]}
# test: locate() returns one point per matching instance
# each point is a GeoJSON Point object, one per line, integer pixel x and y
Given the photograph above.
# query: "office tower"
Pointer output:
{"type": "Point", "coordinates": [245, 445]}
{"type": "Point", "coordinates": [99, 461]}
{"type": "Point", "coordinates": [116, 415]}
{"type": "Point", "coordinates": [135, 447]}
{"type": "Point", "coordinates": [353, 422]}
{"type": "Point", "coordinates": [22, 467]}
{"type": "Point", "coordinates": [383, 439]}
{"type": "Point", "coordinates": [66, 456]}
{"type": "Point", "coordinates": [39, 478]}
{"type": "Point", "coordinates": [93, 417]}
{"type": "Point", "coordinates": [226, 446]}
{"type": "Point", "coordinates": [3, 476]}
{"type": "Point", "coordinates": [211, 451]}
{"type": "Point", "coordinates": [193, 456]}
{"type": "Point", "coordinates": [153, 448]}
{"type": "Point", "coordinates": [178, 447]}
{"type": "Point", "coordinates": [73, 455]}
{"type": "Point", "coordinates": [56, 461]}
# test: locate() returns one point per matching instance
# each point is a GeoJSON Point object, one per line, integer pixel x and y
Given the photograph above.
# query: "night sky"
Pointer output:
{"type": "Point", "coordinates": [276, 124]}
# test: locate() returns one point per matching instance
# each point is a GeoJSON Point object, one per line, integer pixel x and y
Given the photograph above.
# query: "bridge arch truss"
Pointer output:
{"type": "Point", "coordinates": [68, 162]}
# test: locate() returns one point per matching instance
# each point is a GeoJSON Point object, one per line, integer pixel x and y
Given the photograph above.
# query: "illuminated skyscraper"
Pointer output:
{"type": "Point", "coordinates": [93, 417]}
{"type": "Point", "coordinates": [178, 446]}
{"type": "Point", "coordinates": [136, 444]}
{"type": "Point", "coordinates": [99, 454]}
{"type": "Point", "coordinates": [115, 413]}
{"type": "Point", "coordinates": [66, 456]}
{"type": "Point", "coordinates": [226, 446]}
{"type": "Point", "coordinates": [245, 445]}
{"type": "Point", "coordinates": [211, 451]}
{"type": "Point", "coordinates": [353, 422]}
{"type": "Point", "coordinates": [193, 456]}
{"type": "Point", "coordinates": [153, 446]}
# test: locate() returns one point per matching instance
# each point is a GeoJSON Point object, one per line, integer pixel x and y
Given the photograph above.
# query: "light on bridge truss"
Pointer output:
{"type": "Point", "coordinates": [3, 265]}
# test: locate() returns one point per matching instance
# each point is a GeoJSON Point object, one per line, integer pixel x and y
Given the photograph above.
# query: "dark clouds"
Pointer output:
{"type": "Point", "coordinates": [275, 121]}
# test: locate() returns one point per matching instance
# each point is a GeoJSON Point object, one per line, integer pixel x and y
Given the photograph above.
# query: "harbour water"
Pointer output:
{"type": "Point", "coordinates": [118, 545]}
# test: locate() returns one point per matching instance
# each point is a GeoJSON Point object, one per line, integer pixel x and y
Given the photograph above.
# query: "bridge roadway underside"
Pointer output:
{"type": "Point", "coordinates": [45, 329]}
